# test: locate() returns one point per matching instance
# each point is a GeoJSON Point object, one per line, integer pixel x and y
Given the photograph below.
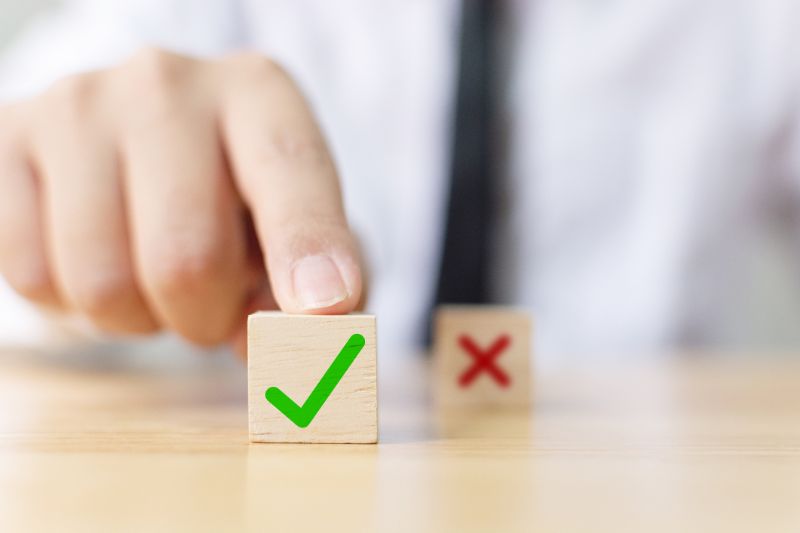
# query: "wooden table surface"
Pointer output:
{"type": "Point", "coordinates": [673, 444]}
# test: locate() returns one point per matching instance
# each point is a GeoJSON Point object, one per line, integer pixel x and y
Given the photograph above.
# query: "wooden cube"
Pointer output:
{"type": "Point", "coordinates": [312, 378]}
{"type": "Point", "coordinates": [482, 356]}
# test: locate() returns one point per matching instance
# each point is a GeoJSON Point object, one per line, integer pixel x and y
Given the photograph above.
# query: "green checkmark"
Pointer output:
{"type": "Point", "coordinates": [302, 416]}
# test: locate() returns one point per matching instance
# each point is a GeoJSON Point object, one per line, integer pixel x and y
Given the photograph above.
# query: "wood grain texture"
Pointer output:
{"type": "Point", "coordinates": [484, 325]}
{"type": "Point", "coordinates": [104, 442]}
{"type": "Point", "coordinates": [292, 352]}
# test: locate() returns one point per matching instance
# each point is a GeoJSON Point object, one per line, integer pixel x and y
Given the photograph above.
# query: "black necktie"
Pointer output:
{"type": "Point", "coordinates": [464, 270]}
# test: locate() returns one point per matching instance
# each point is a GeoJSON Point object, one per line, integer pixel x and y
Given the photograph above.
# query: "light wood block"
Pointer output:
{"type": "Point", "coordinates": [292, 353]}
{"type": "Point", "coordinates": [482, 356]}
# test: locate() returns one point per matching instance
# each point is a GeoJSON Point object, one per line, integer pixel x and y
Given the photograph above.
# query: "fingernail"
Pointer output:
{"type": "Point", "coordinates": [317, 282]}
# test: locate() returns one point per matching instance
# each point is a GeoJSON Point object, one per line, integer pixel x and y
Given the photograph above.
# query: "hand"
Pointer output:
{"type": "Point", "coordinates": [164, 193]}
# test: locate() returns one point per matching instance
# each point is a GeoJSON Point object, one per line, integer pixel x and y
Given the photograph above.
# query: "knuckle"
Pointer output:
{"type": "Point", "coordinates": [183, 269]}
{"type": "Point", "coordinates": [312, 232]}
{"type": "Point", "coordinates": [312, 226]}
{"type": "Point", "coordinates": [157, 66]}
{"type": "Point", "coordinates": [71, 98]}
{"type": "Point", "coordinates": [290, 148]}
{"type": "Point", "coordinates": [255, 70]}
{"type": "Point", "coordinates": [254, 64]}
{"type": "Point", "coordinates": [101, 294]}
{"type": "Point", "coordinates": [154, 77]}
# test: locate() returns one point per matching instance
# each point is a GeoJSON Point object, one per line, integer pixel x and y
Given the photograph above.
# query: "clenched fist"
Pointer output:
{"type": "Point", "coordinates": [175, 193]}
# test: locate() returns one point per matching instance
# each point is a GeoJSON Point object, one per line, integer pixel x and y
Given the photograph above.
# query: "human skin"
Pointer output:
{"type": "Point", "coordinates": [173, 193]}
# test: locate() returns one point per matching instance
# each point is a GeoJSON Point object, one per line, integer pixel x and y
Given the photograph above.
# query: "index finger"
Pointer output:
{"type": "Point", "coordinates": [287, 178]}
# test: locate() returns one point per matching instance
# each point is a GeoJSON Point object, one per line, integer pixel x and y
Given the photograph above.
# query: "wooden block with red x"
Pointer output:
{"type": "Point", "coordinates": [482, 356]}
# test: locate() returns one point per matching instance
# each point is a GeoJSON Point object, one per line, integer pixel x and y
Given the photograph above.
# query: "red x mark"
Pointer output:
{"type": "Point", "coordinates": [484, 360]}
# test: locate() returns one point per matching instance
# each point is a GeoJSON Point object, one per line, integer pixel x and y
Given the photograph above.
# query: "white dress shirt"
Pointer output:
{"type": "Point", "coordinates": [653, 162]}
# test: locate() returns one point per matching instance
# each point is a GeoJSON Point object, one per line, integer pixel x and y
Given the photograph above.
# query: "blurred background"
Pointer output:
{"type": "Point", "coordinates": [16, 14]}
{"type": "Point", "coordinates": [652, 182]}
